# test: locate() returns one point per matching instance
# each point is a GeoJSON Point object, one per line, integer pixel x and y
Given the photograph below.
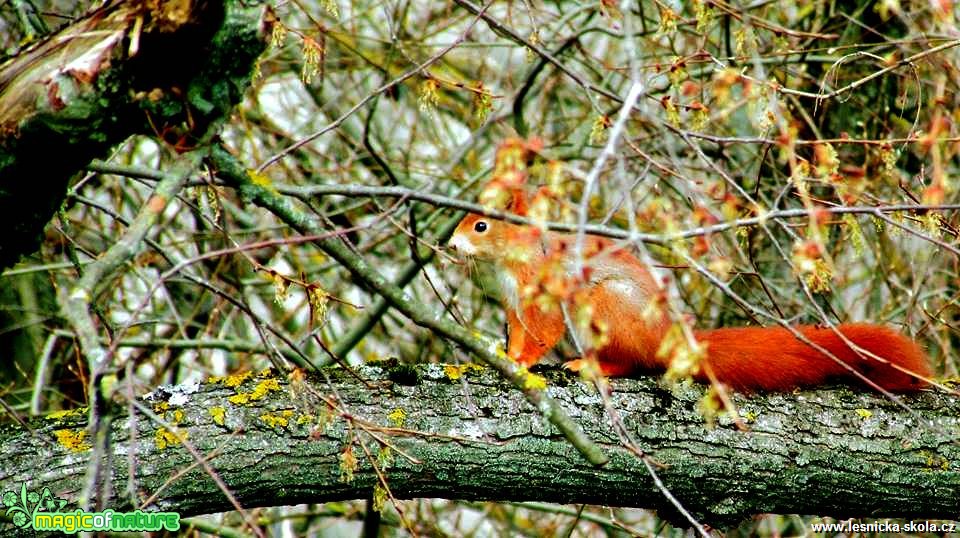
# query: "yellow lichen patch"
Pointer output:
{"type": "Point", "coordinates": [58, 415]}
{"type": "Point", "coordinates": [219, 415]}
{"type": "Point", "coordinates": [214, 379]}
{"type": "Point", "coordinates": [277, 420]}
{"type": "Point", "coordinates": [73, 440]}
{"type": "Point", "coordinates": [258, 393]}
{"type": "Point", "coordinates": [266, 372]}
{"type": "Point", "coordinates": [398, 417]}
{"type": "Point", "coordinates": [261, 180]}
{"type": "Point", "coordinates": [274, 421]}
{"type": "Point", "coordinates": [236, 380]}
{"type": "Point", "coordinates": [160, 407]}
{"type": "Point", "coordinates": [456, 371]}
{"type": "Point", "coordinates": [936, 462]}
{"type": "Point", "coordinates": [453, 372]}
{"type": "Point", "coordinates": [264, 387]}
{"type": "Point", "coordinates": [534, 382]}
{"type": "Point", "coordinates": [164, 438]}
{"type": "Point", "coordinates": [304, 418]}
{"type": "Point", "coordinates": [864, 414]}
{"type": "Point", "coordinates": [178, 416]}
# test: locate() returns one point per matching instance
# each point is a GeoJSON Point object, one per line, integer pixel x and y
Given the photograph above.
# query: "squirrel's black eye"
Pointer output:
{"type": "Point", "coordinates": [480, 226]}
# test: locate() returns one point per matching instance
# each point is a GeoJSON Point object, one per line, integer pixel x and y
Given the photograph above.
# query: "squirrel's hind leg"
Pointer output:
{"type": "Point", "coordinates": [607, 369]}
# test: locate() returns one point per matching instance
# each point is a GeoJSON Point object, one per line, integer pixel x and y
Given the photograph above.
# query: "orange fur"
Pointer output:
{"type": "Point", "coordinates": [626, 326]}
{"type": "Point", "coordinates": [755, 358]}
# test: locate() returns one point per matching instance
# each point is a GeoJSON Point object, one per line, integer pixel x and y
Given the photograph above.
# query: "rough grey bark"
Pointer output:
{"type": "Point", "coordinates": [828, 452]}
{"type": "Point", "coordinates": [167, 69]}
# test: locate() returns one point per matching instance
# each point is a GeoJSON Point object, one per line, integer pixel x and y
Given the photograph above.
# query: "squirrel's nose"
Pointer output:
{"type": "Point", "coordinates": [461, 245]}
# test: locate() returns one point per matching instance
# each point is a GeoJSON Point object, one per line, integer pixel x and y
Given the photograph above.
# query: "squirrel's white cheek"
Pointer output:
{"type": "Point", "coordinates": [463, 245]}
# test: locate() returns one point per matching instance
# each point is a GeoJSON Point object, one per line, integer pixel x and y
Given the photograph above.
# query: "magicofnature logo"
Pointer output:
{"type": "Point", "coordinates": [21, 508]}
{"type": "Point", "coordinates": [44, 512]}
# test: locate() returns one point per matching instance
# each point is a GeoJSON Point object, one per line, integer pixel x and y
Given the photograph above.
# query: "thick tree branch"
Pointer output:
{"type": "Point", "coordinates": [835, 453]}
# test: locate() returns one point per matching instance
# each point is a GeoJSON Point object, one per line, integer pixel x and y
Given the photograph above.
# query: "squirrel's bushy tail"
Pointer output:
{"type": "Point", "coordinates": [761, 358]}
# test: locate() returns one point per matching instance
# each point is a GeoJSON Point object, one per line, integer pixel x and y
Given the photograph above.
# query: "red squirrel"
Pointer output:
{"type": "Point", "coordinates": [628, 326]}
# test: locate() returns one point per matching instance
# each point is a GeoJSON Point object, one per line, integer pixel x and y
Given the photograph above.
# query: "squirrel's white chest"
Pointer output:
{"type": "Point", "coordinates": [509, 289]}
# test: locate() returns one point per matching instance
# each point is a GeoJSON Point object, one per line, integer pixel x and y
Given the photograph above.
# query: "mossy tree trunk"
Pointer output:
{"type": "Point", "coordinates": [276, 442]}
{"type": "Point", "coordinates": [168, 69]}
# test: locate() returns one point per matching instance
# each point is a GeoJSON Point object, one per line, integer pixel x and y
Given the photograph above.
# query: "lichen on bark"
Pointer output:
{"type": "Point", "coordinates": [477, 438]}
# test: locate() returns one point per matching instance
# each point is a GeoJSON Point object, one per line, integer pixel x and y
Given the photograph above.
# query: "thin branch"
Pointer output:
{"type": "Point", "coordinates": [77, 302]}
{"type": "Point", "coordinates": [386, 87]}
{"type": "Point", "coordinates": [606, 231]}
